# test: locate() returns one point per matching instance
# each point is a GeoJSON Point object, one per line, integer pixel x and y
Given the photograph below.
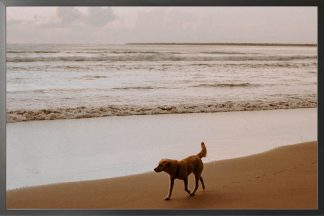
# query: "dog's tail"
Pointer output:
{"type": "Point", "coordinates": [203, 151]}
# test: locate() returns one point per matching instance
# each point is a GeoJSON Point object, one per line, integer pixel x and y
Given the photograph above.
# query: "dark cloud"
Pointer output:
{"type": "Point", "coordinates": [72, 17]}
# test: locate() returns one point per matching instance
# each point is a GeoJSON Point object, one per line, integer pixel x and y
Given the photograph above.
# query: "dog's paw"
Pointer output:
{"type": "Point", "coordinates": [167, 198]}
{"type": "Point", "coordinates": [192, 194]}
{"type": "Point", "coordinates": [188, 191]}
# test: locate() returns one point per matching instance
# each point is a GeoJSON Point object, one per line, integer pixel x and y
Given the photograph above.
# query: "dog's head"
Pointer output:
{"type": "Point", "coordinates": [162, 165]}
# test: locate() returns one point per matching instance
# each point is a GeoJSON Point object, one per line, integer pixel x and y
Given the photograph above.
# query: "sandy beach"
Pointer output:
{"type": "Point", "coordinates": [282, 178]}
{"type": "Point", "coordinates": [50, 152]}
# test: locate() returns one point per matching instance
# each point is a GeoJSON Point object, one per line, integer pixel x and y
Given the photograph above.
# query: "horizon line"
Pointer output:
{"type": "Point", "coordinates": [189, 43]}
{"type": "Point", "coordinates": [230, 43]}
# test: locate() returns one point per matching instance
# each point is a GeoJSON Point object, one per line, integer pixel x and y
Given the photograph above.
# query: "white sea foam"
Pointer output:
{"type": "Point", "coordinates": [91, 112]}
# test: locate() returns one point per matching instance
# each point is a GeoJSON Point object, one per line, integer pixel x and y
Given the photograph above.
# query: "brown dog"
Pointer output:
{"type": "Point", "coordinates": [182, 169]}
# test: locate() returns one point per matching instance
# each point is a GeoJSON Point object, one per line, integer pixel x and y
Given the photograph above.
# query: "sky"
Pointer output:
{"type": "Point", "coordinates": [118, 25]}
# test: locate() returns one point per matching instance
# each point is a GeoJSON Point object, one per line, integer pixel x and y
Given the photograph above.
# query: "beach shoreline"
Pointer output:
{"type": "Point", "coordinates": [282, 178]}
{"type": "Point", "coordinates": [46, 152]}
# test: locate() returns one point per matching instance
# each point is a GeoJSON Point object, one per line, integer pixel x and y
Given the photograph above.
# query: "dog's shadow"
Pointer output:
{"type": "Point", "coordinates": [203, 199]}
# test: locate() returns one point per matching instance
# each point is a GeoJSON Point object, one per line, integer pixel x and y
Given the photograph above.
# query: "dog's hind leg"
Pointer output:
{"type": "Point", "coordinates": [197, 177]}
{"type": "Point", "coordinates": [186, 185]}
{"type": "Point", "coordinates": [170, 188]}
{"type": "Point", "coordinates": [202, 182]}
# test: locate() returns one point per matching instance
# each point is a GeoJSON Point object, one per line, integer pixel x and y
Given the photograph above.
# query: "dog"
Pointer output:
{"type": "Point", "coordinates": [182, 169]}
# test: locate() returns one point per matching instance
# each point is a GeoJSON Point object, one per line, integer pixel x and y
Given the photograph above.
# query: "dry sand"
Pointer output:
{"type": "Point", "coordinates": [282, 178]}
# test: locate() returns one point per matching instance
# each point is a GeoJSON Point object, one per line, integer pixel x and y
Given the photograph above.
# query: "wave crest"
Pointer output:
{"type": "Point", "coordinates": [158, 57]}
{"type": "Point", "coordinates": [226, 85]}
{"type": "Point", "coordinates": [124, 110]}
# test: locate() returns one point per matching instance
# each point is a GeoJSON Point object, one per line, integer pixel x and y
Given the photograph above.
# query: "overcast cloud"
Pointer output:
{"type": "Point", "coordinates": [68, 16]}
{"type": "Point", "coordinates": [161, 24]}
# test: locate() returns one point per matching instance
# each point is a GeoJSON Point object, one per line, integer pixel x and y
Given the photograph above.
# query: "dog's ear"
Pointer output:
{"type": "Point", "coordinates": [170, 165]}
{"type": "Point", "coordinates": [166, 164]}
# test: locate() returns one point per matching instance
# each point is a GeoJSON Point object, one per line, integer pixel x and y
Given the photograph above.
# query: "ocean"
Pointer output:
{"type": "Point", "coordinates": [66, 81]}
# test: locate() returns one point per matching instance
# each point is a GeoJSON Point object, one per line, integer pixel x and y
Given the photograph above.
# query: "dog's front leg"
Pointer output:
{"type": "Point", "coordinates": [170, 188]}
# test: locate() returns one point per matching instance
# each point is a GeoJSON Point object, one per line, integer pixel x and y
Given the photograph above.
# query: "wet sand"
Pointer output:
{"type": "Point", "coordinates": [283, 178]}
{"type": "Point", "coordinates": [50, 152]}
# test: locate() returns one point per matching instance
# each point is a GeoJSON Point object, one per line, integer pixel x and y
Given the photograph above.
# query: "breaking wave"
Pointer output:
{"type": "Point", "coordinates": [227, 85]}
{"type": "Point", "coordinates": [137, 88]}
{"type": "Point", "coordinates": [32, 51]}
{"type": "Point", "coordinates": [157, 57]}
{"type": "Point", "coordinates": [162, 66]}
{"type": "Point", "coordinates": [124, 110]}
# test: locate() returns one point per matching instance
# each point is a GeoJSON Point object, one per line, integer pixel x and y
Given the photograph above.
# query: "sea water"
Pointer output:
{"type": "Point", "coordinates": [55, 81]}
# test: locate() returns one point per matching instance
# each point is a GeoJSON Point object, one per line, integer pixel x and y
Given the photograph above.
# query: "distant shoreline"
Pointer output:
{"type": "Point", "coordinates": [228, 44]}
{"type": "Point", "coordinates": [219, 44]}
